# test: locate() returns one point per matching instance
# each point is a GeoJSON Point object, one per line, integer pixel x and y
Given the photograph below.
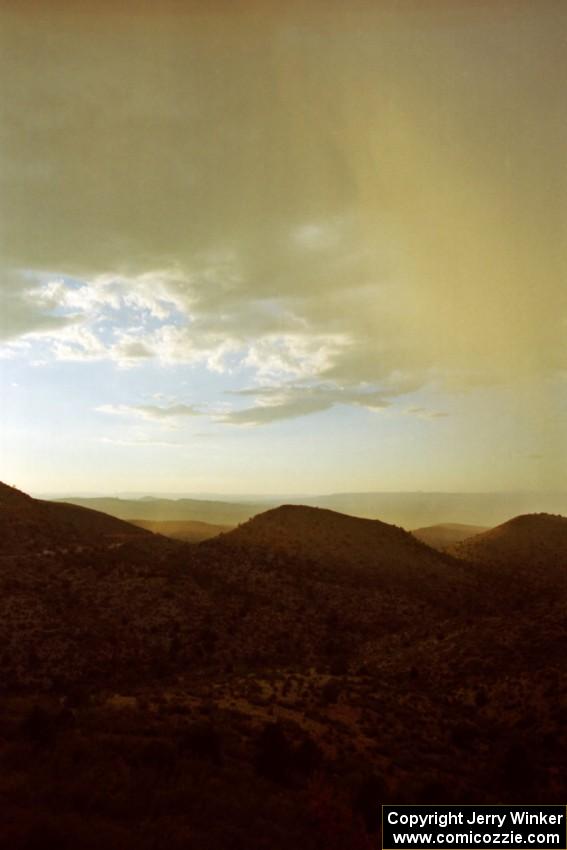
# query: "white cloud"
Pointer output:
{"type": "Point", "coordinates": [78, 342]}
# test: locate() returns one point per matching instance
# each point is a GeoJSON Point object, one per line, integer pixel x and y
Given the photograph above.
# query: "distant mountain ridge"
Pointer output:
{"type": "Point", "coordinates": [418, 509]}
{"type": "Point", "coordinates": [169, 510]}
{"type": "Point", "coordinates": [409, 510]}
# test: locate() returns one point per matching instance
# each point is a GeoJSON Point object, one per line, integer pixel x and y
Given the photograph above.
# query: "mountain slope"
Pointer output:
{"type": "Point", "coordinates": [393, 657]}
{"type": "Point", "coordinates": [529, 540]}
{"type": "Point", "coordinates": [293, 586]}
{"type": "Point", "coordinates": [446, 534]}
{"type": "Point", "coordinates": [31, 525]}
{"type": "Point", "coordinates": [361, 549]}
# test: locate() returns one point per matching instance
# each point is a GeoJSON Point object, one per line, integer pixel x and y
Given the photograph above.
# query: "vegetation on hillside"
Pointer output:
{"type": "Point", "coordinates": [271, 687]}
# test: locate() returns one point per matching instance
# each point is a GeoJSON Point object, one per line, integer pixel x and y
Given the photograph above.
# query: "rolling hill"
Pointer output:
{"type": "Point", "coordinates": [312, 661]}
{"type": "Point", "coordinates": [158, 604]}
{"type": "Point", "coordinates": [446, 534]}
{"type": "Point", "coordinates": [31, 525]}
{"type": "Point", "coordinates": [526, 542]}
{"type": "Point", "coordinates": [353, 549]}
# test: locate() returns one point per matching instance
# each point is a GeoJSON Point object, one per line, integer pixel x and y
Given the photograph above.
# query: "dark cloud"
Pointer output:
{"type": "Point", "coordinates": [342, 197]}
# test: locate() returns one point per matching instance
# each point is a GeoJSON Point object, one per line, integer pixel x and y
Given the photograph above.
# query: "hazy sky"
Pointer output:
{"type": "Point", "coordinates": [283, 247]}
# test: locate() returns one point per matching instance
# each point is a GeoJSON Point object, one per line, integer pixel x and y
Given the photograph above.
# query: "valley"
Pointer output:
{"type": "Point", "coordinates": [281, 679]}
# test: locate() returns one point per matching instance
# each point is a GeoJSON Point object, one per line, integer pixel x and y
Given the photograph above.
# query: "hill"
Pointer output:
{"type": "Point", "coordinates": [530, 540]}
{"type": "Point", "coordinates": [272, 684]}
{"type": "Point", "coordinates": [169, 510]}
{"type": "Point", "coordinates": [446, 534]}
{"type": "Point", "coordinates": [351, 548]}
{"type": "Point", "coordinates": [409, 510]}
{"type": "Point", "coordinates": [31, 525]}
{"type": "Point", "coordinates": [185, 530]}
{"type": "Point", "coordinates": [154, 604]}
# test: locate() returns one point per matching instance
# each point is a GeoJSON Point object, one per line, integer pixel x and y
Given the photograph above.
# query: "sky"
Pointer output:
{"type": "Point", "coordinates": [263, 247]}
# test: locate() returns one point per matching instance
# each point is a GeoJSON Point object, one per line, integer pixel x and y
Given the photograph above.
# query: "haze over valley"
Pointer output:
{"type": "Point", "coordinates": [409, 510]}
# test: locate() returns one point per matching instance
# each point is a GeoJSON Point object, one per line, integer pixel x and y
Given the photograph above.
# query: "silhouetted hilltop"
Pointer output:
{"type": "Point", "coordinates": [525, 541]}
{"type": "Point", "coordinates": [378, 657]}
{"type": "Point", "coordinates": [446, 534]}
{"type": "Point", "coordinates": [363, 548]}
{"type": "Point", "coordinates": [295, 585]}
{"type": "Point", "coordinates": [11, 495]}
{"type": "Point", "coordinates": [31, 525]}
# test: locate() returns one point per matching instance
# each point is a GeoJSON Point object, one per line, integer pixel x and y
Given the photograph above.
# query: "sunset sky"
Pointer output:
{"type": "Point", "coordinates": [261, 247]}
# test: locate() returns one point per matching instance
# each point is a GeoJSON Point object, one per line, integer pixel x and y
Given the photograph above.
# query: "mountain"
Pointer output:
{"type": "Point", "coordinates": [158, 604]}
{"type": "Point", "coordinates": [271, 685]}
{"type": "Point", "coordinates": [532, 542]}
{"type": "Point", "coordinates": [31, 525]}
{"type": "Point", "coordinates": [188, 531]}
{"type": "Point", "coordinates": [409, 510]}
{"type": "Point", "coordinates": [169, 510]}
{"type": "Point", "coordinates": [415, 510]}
{"type": "Point", "coordinates": [446, 534]}
{"type": "Point", "coordinates": [366, 550]}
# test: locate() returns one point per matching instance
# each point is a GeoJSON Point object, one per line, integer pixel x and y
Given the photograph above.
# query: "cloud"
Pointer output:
{"type": "Point", "coordinates": [272, 404]}
{"type": "Point", "coordinates": [134, 350]}
{"type": "Point", "coordinates": [173, 320]}
{"type": "Point", "coordinates": [76, 343]}
{"type": "Point", "coordinates": [152, 412]}
{"type": "Point", "coordinates": [392, 239]}
{"type": "Point", "coordinates": [276, 403]}
{"type": "Point", "coordinates": [23, 312]}
{"type": "Point", "coordinates": [137, 443]}
{"type": "Point", "coordinates": [268, 413]}
{"type": "Point", "coordinates": [424, 413]}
